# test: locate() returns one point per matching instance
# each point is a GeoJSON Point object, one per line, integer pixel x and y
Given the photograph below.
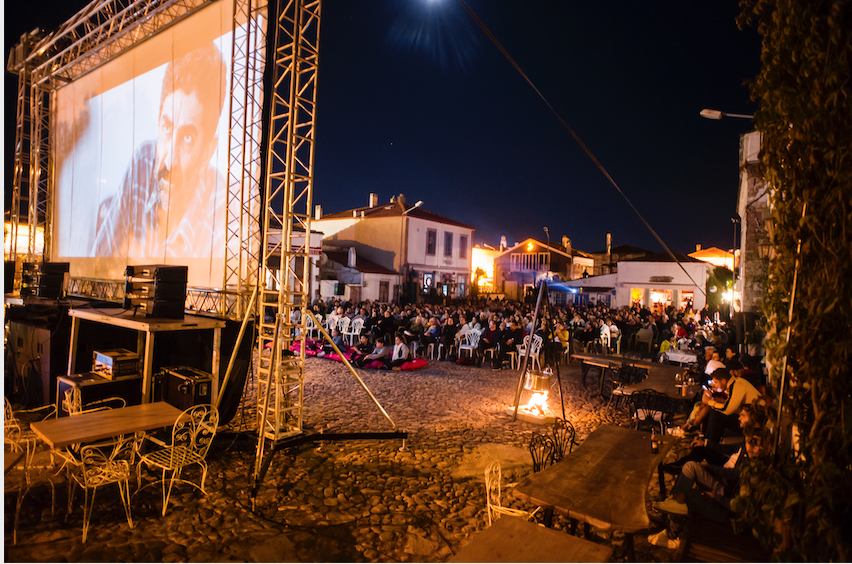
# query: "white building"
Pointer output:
{"type": "Point", "coordinates": [428, 252]}
{"type": "Point", "coordinates": [653, 282]}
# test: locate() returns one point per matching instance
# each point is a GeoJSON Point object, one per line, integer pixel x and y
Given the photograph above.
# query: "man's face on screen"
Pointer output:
{"type": "Point", "coordinates": [182, 144]}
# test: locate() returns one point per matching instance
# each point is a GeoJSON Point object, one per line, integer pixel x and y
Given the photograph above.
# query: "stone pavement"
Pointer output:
{"type": "Point", "coordinates": [358, 501]}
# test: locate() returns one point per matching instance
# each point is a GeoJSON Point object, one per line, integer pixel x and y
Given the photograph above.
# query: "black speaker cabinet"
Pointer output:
{"type": "Point", "coordinates": [184, 386]}
{"type": "Point", "coordinates": [95, 387]}
{"type": "Point", "coordinates": [43, 279]}
{"type": "Point", "coordinates": [157, 290]}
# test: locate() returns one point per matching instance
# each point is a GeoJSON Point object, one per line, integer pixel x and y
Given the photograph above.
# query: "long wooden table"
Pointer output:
{"type": "Point", "coordinates": [659, 377]}
{"type": "Point", "coordinates": [512, 539]}
{"type": "Point", "coordinates": [603, 482]}
{"type": "Point", "coordinates": [98, 425]}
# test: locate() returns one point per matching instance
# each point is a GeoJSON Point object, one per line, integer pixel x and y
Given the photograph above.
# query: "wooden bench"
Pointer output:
{"type": "Point", "coordinates": [704, 540]}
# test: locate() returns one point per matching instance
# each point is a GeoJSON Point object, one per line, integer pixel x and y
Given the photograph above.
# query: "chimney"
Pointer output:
{"type": "Point", "coordinates": [565, 241]}
{"type": "Point", "coordinates": [503, 243]}
{"type": "Point", "coordinates": [401, 200]}
{"type": "Point", "coordinates": [697, 248]}
{"type": "Point", "coordinates": [352, 258]}
{"type": "Point", "coordinates": [354, 213]}
{"type": "Point", "coordinates": [317, 211]}
{"type": "Point", "coordinates": [374, 200]}
{"type": "Point", "coordinates": [393, 199]}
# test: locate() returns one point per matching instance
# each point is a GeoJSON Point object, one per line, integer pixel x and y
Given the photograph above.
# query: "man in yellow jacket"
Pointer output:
{"type": "Point", "coordinates": [726, 407]}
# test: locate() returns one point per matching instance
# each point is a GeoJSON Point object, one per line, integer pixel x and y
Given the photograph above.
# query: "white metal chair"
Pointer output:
{"type": "Point", "coordinates": [73, 403]}
{"type": "Point", "coordinates": [36, 464]}
{"type": "Point", "coordinates": [493, 496]}
{"type": "Point", "coordinates": [354, 331]}
{"type": "Point", "coordinates": [470, 342]}
{"type": "Point", "coordinates": [96, 465]}
{"type": "Point", "coordinates": [192, 436]}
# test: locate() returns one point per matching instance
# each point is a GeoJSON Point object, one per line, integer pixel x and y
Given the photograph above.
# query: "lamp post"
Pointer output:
{"type": "Point", "coordinates": [716, 114]}
{"type": "Point", "coordinates": [402, 245]}
{"type": "Point", "coordinates": [546, 232]}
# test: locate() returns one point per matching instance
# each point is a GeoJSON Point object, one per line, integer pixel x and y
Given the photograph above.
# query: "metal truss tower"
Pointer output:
{"type": "Point", "coordinates": [288, 192]}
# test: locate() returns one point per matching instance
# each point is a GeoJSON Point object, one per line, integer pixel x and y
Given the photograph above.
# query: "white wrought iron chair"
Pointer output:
{"type": "Point", "coordinates": [470, 342]}
{"type": "Point", "coordinates": [192, 436]}
{"type": "Point", "coordinates": [99, 464]}
{"type": "Point", "coordinates": [353, 332]}
{"type": "Point", "coordinates": [493, 496]}
{"type": "Point", "coordinates": [73, 403]}
{"type": "Point", "coordinates": [36, 464]}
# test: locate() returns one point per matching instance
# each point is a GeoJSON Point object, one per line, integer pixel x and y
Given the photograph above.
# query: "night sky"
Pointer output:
{"type": "Point", "coordinates": [415, 99]}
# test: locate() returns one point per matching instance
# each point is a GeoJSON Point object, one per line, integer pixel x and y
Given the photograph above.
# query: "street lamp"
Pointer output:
{"type": "Point", "coordinates": [402, 245]}
{"type": "Point", "coordinates": [546, 232]}
{"type": "Point", "coordinates": [716, 114]}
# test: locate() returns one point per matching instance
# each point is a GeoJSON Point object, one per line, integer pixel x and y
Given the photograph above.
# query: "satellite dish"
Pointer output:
{"type": "Point", "coordinates": [713, 289]}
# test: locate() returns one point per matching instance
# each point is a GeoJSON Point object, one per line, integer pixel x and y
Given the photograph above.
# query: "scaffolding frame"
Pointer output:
{"type": "Point", "coordinates": [288, 192]}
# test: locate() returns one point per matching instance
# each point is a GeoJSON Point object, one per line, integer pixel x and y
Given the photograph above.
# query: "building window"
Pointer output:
{"type": "Point", "coordinates": [431, 241]}
{"type": "Point", "coordinates": [448, 244]}
{"type": "Point", "coordinates": [462, 246]}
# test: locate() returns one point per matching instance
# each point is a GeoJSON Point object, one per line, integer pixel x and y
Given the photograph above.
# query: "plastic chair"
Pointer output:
{"type": "Point", "coordinates": [493, 496]}
{"type": "Point", "coordinates": [535, 360]}
{"type": "Point", "coordinates": [541, 449]}
{"type": "Point", "coordinates": [441, 348]}
{"type": "Point", "coordinates": [470, 342]}
{"type": "Point", "coordinates": [98, 464]}
{"type": "Point", "coordinates": [311, 328]}
{"type": "Point", "coordinates": [192, 436]}
{"type": "Point", "coordinates": [343, 326]}
{"type": "Point", "coordinates": [563, 438]}
{"type": "Point", "coordinates": [353, 331]}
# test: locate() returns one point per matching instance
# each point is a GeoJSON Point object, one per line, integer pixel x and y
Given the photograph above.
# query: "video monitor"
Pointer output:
{"type": "Point", "coordinates": [141, 154]}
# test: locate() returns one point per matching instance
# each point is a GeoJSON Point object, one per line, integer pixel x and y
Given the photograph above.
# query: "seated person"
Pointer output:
{"type": "Point", "coordinates": [337, 339]}
{"type": "Point", "coordinates": [489, 340]}
{"type": "Point", "coordinates": [724, 414]}
{"type": "Point", "coordinates": [448, 334]}
{"type": "Point", "coordinates": [380, 352]}
{"type": "Point", "coordinates": [432, 333]}
{"type": "Point", "coordinates": [400, 354]}
{"type": "Point", "coordinates": [510, 340]}
{"type": "Point", "coordinates": [361, 350]}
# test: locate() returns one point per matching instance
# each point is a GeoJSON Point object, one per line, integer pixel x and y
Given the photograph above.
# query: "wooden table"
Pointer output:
{"type": "Point", "coordinates": [603, 482]}
{"type": "Point", "coordinates": [98, 425]}
{"type": "Point", "coordinates": [512, 539]}
{"type": "Point", "coordinates": [147, 328]}
{"type": "Point", "coordinates": [659, 377]}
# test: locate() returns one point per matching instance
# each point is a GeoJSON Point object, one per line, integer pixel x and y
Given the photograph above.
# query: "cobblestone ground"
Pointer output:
{"type": "Point", "coordinates": [358, 501]}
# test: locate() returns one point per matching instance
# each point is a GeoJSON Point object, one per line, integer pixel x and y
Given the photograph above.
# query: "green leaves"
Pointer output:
{"type": "Point", "coordinates": [804, 91]}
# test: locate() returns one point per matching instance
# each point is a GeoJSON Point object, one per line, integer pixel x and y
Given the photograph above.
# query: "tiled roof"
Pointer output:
{"type": "Point", "coordinates": [394, 209]}
{"type": "Point", "coordinates": [623, 250]}
{"type": "Point", "coordinates": [361, 264]}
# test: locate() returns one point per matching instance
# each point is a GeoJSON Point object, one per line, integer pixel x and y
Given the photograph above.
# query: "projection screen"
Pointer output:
{"type": "Point", "coordinates": [141, 146]}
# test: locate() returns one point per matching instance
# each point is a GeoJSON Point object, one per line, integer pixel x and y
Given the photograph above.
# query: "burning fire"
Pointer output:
{"type": "Point", "coordinates": [537, 404]}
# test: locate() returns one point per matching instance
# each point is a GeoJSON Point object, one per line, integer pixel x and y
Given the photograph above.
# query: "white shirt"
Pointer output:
{"type": "Point", "coordinates": [400, 351]}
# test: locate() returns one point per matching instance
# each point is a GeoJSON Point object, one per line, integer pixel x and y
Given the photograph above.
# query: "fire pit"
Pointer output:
{"type": "Point", "coordinates": [537, 388]}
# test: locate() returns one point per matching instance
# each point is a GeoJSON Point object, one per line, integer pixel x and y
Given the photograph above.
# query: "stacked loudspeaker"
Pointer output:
{"type": "Point", "coordinates": [43, 279]}
{"type": "Point", "coordinates": [156, 290]}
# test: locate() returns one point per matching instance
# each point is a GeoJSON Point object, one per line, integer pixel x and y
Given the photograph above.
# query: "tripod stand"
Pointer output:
{"type": "Point", "coordinates": [542, 290]}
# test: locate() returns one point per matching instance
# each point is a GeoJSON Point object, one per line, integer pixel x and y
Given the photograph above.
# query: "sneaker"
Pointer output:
{"type": "Point", "coordinates": [660, 539]}
{"type": "Point", "coordinates": [674, 544]}
{"type": "Point", "coordinates": [397, 368]}
{"type": "Point", "coordinates": [671, 506]}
